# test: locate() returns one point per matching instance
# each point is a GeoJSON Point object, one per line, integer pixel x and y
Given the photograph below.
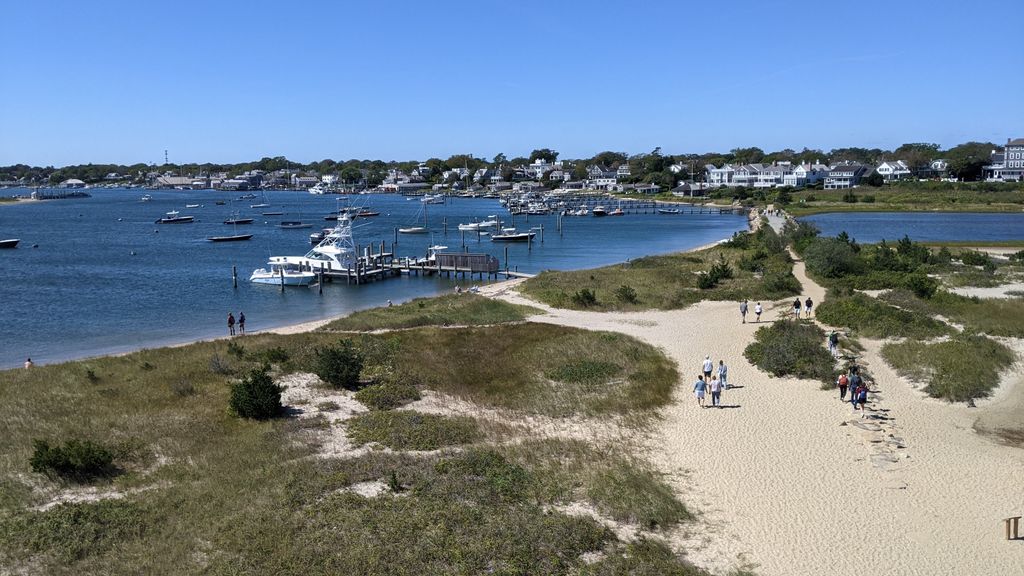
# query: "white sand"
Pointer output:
{"type": "Point", "coordinates": [791, 481]}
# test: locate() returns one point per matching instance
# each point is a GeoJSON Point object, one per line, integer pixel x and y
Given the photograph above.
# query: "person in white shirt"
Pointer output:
{"type": "Point", "coordinates": [757, 312]}
{"type": "Point", "coordinates": [708, 367]}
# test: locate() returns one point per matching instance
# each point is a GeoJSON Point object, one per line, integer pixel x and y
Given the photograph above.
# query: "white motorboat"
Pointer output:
{"type": "Point", "coordinates": [316, 189]}
{"type": "Point", "coordinates": [599, 211]}
{"type": "Point", "coordinates": [336, 252]}
{"type": "Point", "coordinates": [145, 198]}
{"type": "Point", "coordinates": [282, 272]}
{"type": "Point", "coordinates": [173, 218]}
{"type": "Point", "coordinates": [510, 235]}
{"type": "Point", "coordinates": [475, 226]}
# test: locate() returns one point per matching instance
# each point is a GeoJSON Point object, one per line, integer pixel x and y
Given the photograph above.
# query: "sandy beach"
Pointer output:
{"type": "Point", "coordinates": [789, 480]}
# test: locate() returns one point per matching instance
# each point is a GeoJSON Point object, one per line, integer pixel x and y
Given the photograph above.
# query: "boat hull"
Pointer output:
{"type": "Point", "coordinates": [235, 238]}
{"type": "Point", "coordinates": [293, 279]}
{"type": "Point", "coordinates": [12, 243]}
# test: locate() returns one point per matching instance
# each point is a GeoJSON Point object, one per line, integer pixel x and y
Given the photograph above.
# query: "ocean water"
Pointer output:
{"type": "Point", "coordinates": [922, 226]}
{"type": "Point", "coordinates": [105, 279]}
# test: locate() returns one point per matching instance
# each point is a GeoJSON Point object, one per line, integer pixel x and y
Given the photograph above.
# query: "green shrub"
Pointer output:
{"type": "Point", "coordinates": [876, 319]}
{"type": "Point", "coordinates": [850, 197]}
{"type": "Point", "coordinates": [275, 355]}
{"type": "Point", "coordinates": [584, 298]}
{"type": "Point", "coordinates": [409, 430]}
{"type": "Point", "coordinates": [792, 348]}
{"type": "Point", "coordinates": [964, 367]}
{"type": "Point", "coordinates": [831, 258]}
{"type": "Point", "coordinates": [339, 366]}
{"type": "Point", "coordinates": [387, 395]}
{"type": "Point", "coordinates": [868, 199]}
{"type": "Point", "coordinates": [1015, 257]}
{"type": "Point", "coordinates": [921, 285]}
{"type": "Point", "coordinates": [76, 459]}
{"type": "Point", "coordinates": [236, 350]}
{"type": "Point", "coordinates": [256, 395]}
{"type": "Point", "coordinates": [974, 258]}
{"type": "Point", "coordinates": [706, 281]}
{"type": "Point", "coordinates": [219, 365]}
{"type": "Point", "coordinates": [799, 234]}
{"type": "Point", "coordinates": [626, 294]}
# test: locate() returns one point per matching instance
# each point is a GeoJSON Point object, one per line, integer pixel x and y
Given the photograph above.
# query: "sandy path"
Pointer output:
{"type": "Point", "coordinates": [789, 480]}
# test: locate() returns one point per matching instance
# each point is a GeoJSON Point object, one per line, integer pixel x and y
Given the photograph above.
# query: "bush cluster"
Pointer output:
{"type": "Point", "coordinates": [76, 459]}
{"type": "Point", "coordinates": [339, 366]}
{"type": "Point", "coordinates": [584, 298]}
{"type": "Point", "coordinates": [720, 270]}
{"type": "Point", "coordinates": [387, 395]}
{"type": "Point", "coordinates": [974, 258]}
{"type": "Point", "coordinates": [256, 395]}
{"type": "Point", "coordinates": [792, 348]}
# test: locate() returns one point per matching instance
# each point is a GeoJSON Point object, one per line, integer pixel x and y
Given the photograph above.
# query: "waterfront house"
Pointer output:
{"type": "Point", "coordinates": [844, 176]}
{"type": "Point", "coordinates": [720, 176]}
{"type": "Point", "coordinates": [746, 174]}
{"type": "Point", "coordinates": [646, 188]}
{"type": "Point", "coordinates": [72, 183]}
{"type": "Point", "coordinates": [893, 170]}
{"type": "Point", "coordinates": [805, 175]}
{"type": "Point", "coordinates": [1008, 165]}
{"type": "Point", "coordinates": [773, 175]}
{"type": "Point", "coordinates": [482, 174]}
{"type": "Point", "coordinates": [599, 172]}
{"type": "Point", "coordinates": [623, 171]}
{"type": "Point", "coordinates": [539, 168]}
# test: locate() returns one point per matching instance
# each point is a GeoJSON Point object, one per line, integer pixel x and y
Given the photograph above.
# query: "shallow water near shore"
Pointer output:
{"type": "Point", "coordinates": [106, 279]}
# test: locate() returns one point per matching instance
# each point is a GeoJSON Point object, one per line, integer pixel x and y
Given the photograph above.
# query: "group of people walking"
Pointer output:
{"type": "Point", "coordinates": [232, 322]}
{"type": "Point", "coordinates": [757, 311]}
{"type": "Point", "coordinates": [858, 388]}
{"type": "Point", "coordinates": [808, 308]}
{"type": "Point", "coordinates": [709, 381]}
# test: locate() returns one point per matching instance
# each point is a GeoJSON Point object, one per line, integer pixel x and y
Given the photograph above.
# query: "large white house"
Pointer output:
{"type": "Point", "coordinates": [720, 176]}
{"type": "Point", "coordinates": [1007, 165]}
{"type": "Point", "coordinates": [773, 175]}
{"type": "Point", "coordinates": [805, 175]}
{"type": "Point", "coordinates": [845, 176]}
{"type": "Point", "coordinates": [894, 170]}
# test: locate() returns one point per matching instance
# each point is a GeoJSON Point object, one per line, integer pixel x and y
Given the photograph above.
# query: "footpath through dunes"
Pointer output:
{"type": "Point", "coordinates": [789, 480]}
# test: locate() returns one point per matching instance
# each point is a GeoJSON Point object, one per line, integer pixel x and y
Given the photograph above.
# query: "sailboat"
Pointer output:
{"type": "Point", "coordinates": [236, 237]}
{"type": "Point", "coordinates": [263, 204]}
{"type": "Point", "coordinates": [417, 229]}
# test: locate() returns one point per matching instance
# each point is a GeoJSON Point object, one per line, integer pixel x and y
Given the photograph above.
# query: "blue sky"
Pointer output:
{"type": "Point", "coordinates": [119, 82]}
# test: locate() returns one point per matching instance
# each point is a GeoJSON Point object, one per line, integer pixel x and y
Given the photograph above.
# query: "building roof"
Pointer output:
{"type": "Point", "coordinates": [1015, 142]}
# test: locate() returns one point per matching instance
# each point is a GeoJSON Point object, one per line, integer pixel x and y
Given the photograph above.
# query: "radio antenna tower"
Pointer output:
{"type": "Point", "coordinates": [165, 156]}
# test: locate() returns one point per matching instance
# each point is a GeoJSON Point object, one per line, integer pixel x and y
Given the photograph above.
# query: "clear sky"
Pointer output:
{"type": "Point", "coordinates": [120, 81]}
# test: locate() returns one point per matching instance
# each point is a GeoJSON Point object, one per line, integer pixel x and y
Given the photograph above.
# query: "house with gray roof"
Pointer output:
{"type": "Point", "coordinates": [1008, 165]}
{"type": "Point", "coordinates": [844, 176]}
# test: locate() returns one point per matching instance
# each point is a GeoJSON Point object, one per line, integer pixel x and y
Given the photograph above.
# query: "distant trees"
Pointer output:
{"type": "Point", "coordinates": [545, 154]}
{"type": "Point", "coordinates": [966, 160]}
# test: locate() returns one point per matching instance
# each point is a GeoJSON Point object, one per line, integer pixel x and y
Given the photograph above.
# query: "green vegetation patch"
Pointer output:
{"type": "Point", "coordinates": [80, 460]}
{"type": "Point", "coordinates": [992, 316]}
{"type": "Point", "coordinates": [875, 319]}
{"type": "Point", "coordinates": [641, 556]}
{"type": "Point", "coordinates": [256, 395]}
{"type": "Point", "coordinates": [447, 310]}
{"type": "Point", "coordinates": [409, 430]}
{"type": "Point", "coordinates": [387, 395]}
{"type": "Point", "coordinates": [792, 348]}
{"type": "Point", "coordinates": [752, 266]}
{"type": "Point", "coordinates": [966, 366]}
{"type": "Point", "coordinates": [74, 531]}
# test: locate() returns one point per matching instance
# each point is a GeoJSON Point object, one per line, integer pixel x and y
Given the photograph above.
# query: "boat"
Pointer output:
{"type": "Point", "coordinates": [668, 211]}
{"type": "Point", "coordinates": [238, 221]}
{"type": "Point", "coordinates": [10, 243]}
{"type": "Point", "coordinates": [272, 213]}
{"type": "Point", "coordinates": [293, 225]}
{"type": "Point", "coordinates": [282, 273]}
{"type": "Point", "coordinates": [335, 253]}
{"type": "Point", "coordinates": [510, 235]}
{"type": "Point", "coordinates": [173, 218]}
{"type": "Point", "coordinates": [316, 189]}
{"type": "Point", "coordinates": [599, 211]}
{"type": "Point", "coordinates": [191, 205]}
{"type": "Point", "coordinates": [220, 202]}
{"type": "Point", "coordinates": [145, 198]}
{"type": "Point", "coordinates": [234, 238]}
{"type": "Point", "coordinates": [417, 229]}
{"type": "Point", "coordinates": [367, 213]}
{"type": "Point", "coordinates": [492, 222]}
{"type": "Point", "coordinates": [249, 196]}
{"type": "Point", "coordinates": [616, 212]}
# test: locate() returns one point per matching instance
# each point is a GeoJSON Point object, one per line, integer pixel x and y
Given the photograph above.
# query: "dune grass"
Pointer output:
{"type": "Point", "coordinates": [760, 268]}
{"type": "Point", "coordinates": [198, 490]}
{"type": "Point", "coordinates": [792, 348]}
{"type": "Point", "coordinates": [409, 430]}
{"type": "Point", "coordinates": [992, 316]}
{"type": "Point", "coordinates": [447, 310]}
{"type": "Point", "coordinates": [875, 319]}
{"type": "Point", "coordinates": [965, 367]}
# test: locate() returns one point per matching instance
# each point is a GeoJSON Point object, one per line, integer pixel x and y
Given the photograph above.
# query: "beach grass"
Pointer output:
{"type": "Point", "coordinates": [992, 316]}
{"type": "Point", "coordinates": [673, 281]}
{"type": "Point", "coordinates": [447, 310]}
{"type": "Point", "coordinates": [410, 430]}
{"type": "Point", "coordinates": [875, 319]}
{"type": "Point", "coordinates": [912, 197]}
{"type": "Point", "coordinates": [964, 367]}
{"type": "Point", "coordinates": [792, 348]}
{"type": "Point", "coordinates": [198, 490]}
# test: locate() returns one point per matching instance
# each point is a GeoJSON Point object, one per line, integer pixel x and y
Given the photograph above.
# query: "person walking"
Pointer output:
{"type": "Point", "coordinates": [743, 311]}
{"type": "Point", "coordinates": [833, 343]}
{"type": "Point", "coordinates": [723, 374]}
{"type": "Point", "coordinates": [854, 385]}
{"type": "Point", "coordinates": [716, 392]}
{"type": "Point", "coordinates": [699, 388]}
{"type": "Point", "coordinates": [231, 324]}
{"type": "Point", "coordinates": [842, 383]}
{"type": "Point", "coordinates": [241, 322]}
{"type": "Point", "coordinates": [28, 363]}
{"type": "Point", "coordinates": [796, 309]}
{"type": "Point", "coordinates": [757, 313]}
{"type": "Point", "coordinates": [862, 397]}
{"type": "Point", "coordinates": [707, 367]}
{"type": "Point", "coordinates": [808, 306]}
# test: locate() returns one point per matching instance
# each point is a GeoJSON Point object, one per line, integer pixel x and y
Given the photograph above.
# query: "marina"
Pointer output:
{"type": "Point", "coordinates": [119, 285]}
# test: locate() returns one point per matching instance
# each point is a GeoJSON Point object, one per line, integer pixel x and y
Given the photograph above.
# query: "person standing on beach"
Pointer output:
{"type": "Point", "coordinates": [842, 382]}
{"type": "Point", "coordinates": [231, 324]}
{"type": "Point", "coordinates": [241, 322]}
{"type": "Point", "coordinates": [854, 385]}
{"type": "Point", "coordinates": [698, 389]}
{"type": "Point", "coordinates": [707, 367]}
{"type": "Point", "coordinates": [723, 374]}
{"type": "Point", "coordinates": [808, 305]}
{"type": "Point", "coordinates": [743, 311]}
{"type": "Point", "coordinates": [716, 392]}
{"type": "Point", "coordinates": [796, 309]}
{"type": "Point", "coordinates": [833, 343]}
{"type": "Point", "coordinates": [757, 313]}
{"type": "Point", "coordinates": [28, 363]}
{"type": "Point", "coordinates": [862, 397]}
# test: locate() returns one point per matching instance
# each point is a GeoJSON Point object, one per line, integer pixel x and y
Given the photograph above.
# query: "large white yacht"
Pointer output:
{"type": "Point", "coordinates": [335, 253]}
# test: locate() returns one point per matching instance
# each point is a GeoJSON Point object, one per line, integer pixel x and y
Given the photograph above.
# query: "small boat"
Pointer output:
{"type": "Point", "coordinates": [220, 202]}
{"type": "Point", "coordinates": [282, 272]}
{"type": "Point", "coordinates": [272, 213]}
{"type": "Point", "coordinates": [234, 238]}
{"type": "Point", "coordinates": [616, 212]}
{"type": "Point", "coordinates": [173, 218]}
{"type": "Point", "coordinates": [11, 243]}
{"type": "Point", "coordinates": [293, 225]}
{"type": "Point", "coordinates": [145, 198]}
{"type": "Point", "coordinates": [191, 205]}
{"type": "Point", "coordinates": [238, 221]}
{"type": "Point", "coordinates": [246, 196]}
{"type": "Point", "coordinates": [510, 235]}
{"type": "Point", "coordinates": [413, 230]}
{"type": "Point", "coordinates": [259, 205]}
{"type": "Point", "coordinates": [668, 210]}
{"type": "Point", "coordinates": [318, 237]}
{"type": "Point", "coordinates": [367, 213]}
{"type": "Point", "coordinates": [599, 211]}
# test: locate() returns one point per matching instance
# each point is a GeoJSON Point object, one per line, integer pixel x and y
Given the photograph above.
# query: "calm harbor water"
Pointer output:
{"type": "Point", "coordinates": [105, 279]}
{"type": "Point", "coordinates": [922, 226]}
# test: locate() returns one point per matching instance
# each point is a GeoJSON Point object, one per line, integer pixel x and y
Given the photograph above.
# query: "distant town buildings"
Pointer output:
{"type": "Point", "coordinates": [1007, 165]}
